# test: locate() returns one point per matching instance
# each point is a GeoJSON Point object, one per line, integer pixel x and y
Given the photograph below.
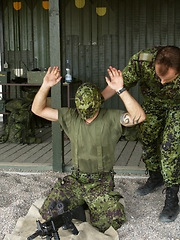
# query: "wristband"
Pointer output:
{"type": "Point", "coordinates": [121, 91]}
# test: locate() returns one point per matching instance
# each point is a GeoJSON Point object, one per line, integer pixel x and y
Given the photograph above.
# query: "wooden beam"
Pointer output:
{"type": "Point", "coordinates": [1, 39]}
{"type": "Point", "coordinates": [55, 60]}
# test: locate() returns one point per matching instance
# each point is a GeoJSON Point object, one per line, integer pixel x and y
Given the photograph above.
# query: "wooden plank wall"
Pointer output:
{"type": "Point", "coordinates": [92, 42]}
{"type": "Point", "coordinates": [26, 35]}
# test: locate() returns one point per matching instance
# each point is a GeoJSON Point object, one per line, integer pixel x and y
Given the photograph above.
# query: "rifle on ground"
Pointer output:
{"type": "Point", "coordinates": [64, 218]}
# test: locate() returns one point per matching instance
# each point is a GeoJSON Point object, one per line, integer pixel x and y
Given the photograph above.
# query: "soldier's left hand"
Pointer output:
{"type": "Point", "coordinates": [116, 77]}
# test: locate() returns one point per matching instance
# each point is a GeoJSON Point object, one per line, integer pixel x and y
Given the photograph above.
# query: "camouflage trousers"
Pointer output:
{"type": "Point", "coordinates": [97, 191]}
{"type": "Point", "coordinates": [160, 136]}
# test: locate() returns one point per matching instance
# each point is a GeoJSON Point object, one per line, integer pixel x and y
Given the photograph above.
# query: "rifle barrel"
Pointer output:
{"type": "Point", "coordinates": [34, 235]}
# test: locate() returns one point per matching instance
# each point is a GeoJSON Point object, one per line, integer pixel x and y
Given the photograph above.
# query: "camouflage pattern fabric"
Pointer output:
{"type": "Point", "coordinates": [97, 191]}
{"type": "Point", "coordinates": [160, 132]}
{"type": "Point", "coordinates": [88, 100]}
{"type": "Point", "coordinates": [150, 84]}
{"type": "Point", "coordinates": [162, 129]}
{"type": "Point", "coordinates": [20, 126]}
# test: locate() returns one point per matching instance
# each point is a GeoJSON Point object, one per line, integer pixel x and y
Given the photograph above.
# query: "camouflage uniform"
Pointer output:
{"type": "Point", "coordinates": [96, 190]}
{"type": "Point", "coordinates": [92, 181]}
{"type": "Point", "coordinates": [161, 129]}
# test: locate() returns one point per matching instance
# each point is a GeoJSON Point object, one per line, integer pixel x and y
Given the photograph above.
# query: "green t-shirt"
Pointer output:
{"type": "Point", "coordinates": [92, 145]}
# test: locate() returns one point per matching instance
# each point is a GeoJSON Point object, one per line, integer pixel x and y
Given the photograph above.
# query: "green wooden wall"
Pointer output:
{"type": "Point", "coordinates": [91, 42]}
{"type": "Point", "coordinates": [35, 37]}
{"type": "Point", "coordinates": [26, 35]}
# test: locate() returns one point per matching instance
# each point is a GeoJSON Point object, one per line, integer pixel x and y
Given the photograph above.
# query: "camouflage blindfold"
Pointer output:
{"type": "Point", "coordinates": [88, 100]}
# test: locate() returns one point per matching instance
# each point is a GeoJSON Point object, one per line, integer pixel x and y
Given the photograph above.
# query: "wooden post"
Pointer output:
{"type": "Point", "coordinates": [1, 39]}
{"type": "Point", "coordinates": [55, 60]}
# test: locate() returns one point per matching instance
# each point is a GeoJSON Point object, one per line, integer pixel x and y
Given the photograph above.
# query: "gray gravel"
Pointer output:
{"type": "Point", "coordinates": [18, 190]}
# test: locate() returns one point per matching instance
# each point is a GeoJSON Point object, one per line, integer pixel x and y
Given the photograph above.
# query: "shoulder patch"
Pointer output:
{"type": "Point", "coordinates": [145, 57]}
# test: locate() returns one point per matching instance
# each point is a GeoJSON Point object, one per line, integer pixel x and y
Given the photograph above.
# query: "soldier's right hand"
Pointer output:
{"type": "Point", "coordinates": [52, 77]}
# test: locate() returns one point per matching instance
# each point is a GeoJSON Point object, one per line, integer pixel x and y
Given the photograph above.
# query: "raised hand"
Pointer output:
{"type": "Point", "coordinates": [52, 77]}
{"type": "Point", "coordinates": [116, 81]}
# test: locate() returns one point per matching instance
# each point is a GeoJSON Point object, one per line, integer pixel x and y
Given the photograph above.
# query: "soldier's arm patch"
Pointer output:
{"type": "Point", "coordinates": [145, 57]}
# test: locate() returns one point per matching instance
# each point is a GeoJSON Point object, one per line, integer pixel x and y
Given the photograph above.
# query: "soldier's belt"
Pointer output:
{"type": "Point", "coordinates": [91, 177]}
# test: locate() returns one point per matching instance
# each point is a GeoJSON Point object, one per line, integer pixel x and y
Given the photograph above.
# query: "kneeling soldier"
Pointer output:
{"type": "Point", "coordinates": [94, 133]}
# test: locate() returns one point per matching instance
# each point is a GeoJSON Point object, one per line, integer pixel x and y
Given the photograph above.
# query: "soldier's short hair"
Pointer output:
{"type": "Point", "coordinates": [88, 100]}
{"type": "Point", "coordinates": [168, 56]}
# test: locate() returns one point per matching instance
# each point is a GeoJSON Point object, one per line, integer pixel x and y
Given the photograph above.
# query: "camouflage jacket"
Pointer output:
{"type": "Point", "coordinates": [141, 69]}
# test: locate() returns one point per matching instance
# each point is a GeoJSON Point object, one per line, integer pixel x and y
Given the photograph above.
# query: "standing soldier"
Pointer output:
{"type": "Point", "coordinates": [157, 70]}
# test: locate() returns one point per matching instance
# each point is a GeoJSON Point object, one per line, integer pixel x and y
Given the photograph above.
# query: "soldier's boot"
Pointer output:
{"type": "Point", "coordinates": [171, 208]}
{"type": "Point", "coordinates": [155, 180]}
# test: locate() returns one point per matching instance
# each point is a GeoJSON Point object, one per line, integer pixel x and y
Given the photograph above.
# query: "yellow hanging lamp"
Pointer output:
{"type": "Point", "coordinates": [17, 6]}
{"type": "Point", "coordinates": [45, 5]}
{"type": "Point", "coordinates": [101, 11]}
{"type": "Point", "coordinates": [79, 3]}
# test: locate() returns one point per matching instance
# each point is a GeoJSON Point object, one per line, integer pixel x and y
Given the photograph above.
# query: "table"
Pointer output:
{"type": "Point", "coordinates": [67, 85]}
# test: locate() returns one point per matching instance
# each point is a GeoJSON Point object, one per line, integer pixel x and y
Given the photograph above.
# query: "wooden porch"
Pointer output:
{"type": "Point", "coordinates": [39, 156]}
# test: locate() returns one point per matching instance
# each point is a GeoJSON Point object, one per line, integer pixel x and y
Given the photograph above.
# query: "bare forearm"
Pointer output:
{"type": "Point", "coordinates": [108, 93]}
{"type": "Point", "coordinates": [135, 114]}
{"type": "Point", "coordinates": [39, 106]}
{"type": "Point", "coordinates": [40, 100]}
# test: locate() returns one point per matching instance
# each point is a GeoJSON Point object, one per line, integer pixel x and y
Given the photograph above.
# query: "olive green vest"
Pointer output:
{"type": "Point", "coordinates": [93, 145]}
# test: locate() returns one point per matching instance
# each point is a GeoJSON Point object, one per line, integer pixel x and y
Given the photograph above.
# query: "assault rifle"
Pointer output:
{"type": "Point", "coordinates": [64, 218]}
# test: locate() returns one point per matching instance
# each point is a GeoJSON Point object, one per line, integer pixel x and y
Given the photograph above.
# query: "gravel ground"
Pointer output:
{"type": "Point", "coordinates": [20, 189]}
